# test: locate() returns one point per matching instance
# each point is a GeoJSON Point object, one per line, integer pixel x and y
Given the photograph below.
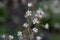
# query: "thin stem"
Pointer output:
{"type": "Point", "coordinates": [28, 28]}
{"type": "Point", "coordinates": [32, 34]}
{"type": "Point", "coordinates": [24, 34]}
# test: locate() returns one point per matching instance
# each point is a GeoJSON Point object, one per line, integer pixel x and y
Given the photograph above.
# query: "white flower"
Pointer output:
{"type": "Point", "coordinates": [19, 33]}
{"type": "Point", "coordinates": [30, 4]}
{"type": "Point", "coordinates": [46, 26]}
{"type": "Point", "coordinates": [35, 30]}
{"type": "Point", "coordinates": [25, 24]}
{"type": "Point", "coordinates": [11, 37]}
{"type": "Point", "coordinates": [3, 36]}
{"type": "Point", "coordinates": [28, 13]}
{"type": "Point", "coordinates": [38, 15]}
{"type": "Point", "coordinates": [40, 11]}
{"type": "Point", "coordinates": [38, 38]}
{"type": "Point", "coordinates": [35, 20]}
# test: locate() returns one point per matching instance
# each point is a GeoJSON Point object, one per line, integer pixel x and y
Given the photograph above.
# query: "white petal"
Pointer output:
{"type": "Point", "coordinates": [25, 25]}
{"type": "Point", "coordinates": [19, 33]}
{"type": "Point", "coordinates": [42, 12]}
{"type": "Point", "coordinates": [38, 38]}
{"type": "Point", "coordinates": [40, 16]}
{"type": "Point", "coordinates": [30, 4]}
{"type": "Point", "coordinates": [28, 13]}
{"type": "Point", "coordinates": [38, 11]}
{"type": "Point", "coordinates": [3, 36]}
{"type": "Point", "coordinates": [10, 37]}
{"type": "Point", "coordinates": [35, 20]}
{"type": "Point", "coordinates": [35, 30]}
{"type": "Point", "coordinates": [46, 26]}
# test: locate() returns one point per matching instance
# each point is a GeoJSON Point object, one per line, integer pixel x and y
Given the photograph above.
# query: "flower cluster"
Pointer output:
{"type": "Point", "coordinates": [30, 31]}
{"type": "Point", "coordinates": [36, 20]}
